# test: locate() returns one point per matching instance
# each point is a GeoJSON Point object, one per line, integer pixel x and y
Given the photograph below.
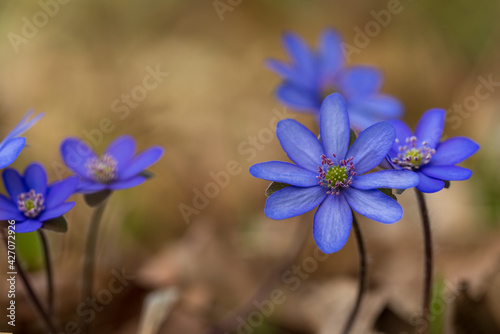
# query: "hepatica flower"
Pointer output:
{"type": "Point", "coordinates": [117, 168]}
{"type": "Point", "coordinates": [422, 152]}
{"type": "Point", "coordinates": [32, 202]}
{"type": "Point", "coordinates": [332, 175]}
{"type": "Point", "coordinates": [311, 75]}
{"type": "Point", "coordinates": [12, 144]}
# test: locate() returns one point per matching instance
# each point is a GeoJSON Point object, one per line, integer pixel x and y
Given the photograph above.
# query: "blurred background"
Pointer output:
{"type": "Point", "coordinates": [190, 76]}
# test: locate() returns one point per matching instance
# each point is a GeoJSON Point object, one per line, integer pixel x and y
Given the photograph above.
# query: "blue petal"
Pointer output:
{"type": "Point", "coordinates": [334, 126]}
{"type": "Point", "coordinates": [59, 192]}
{"type": "Point", "coordinates": [9, 215]}
{"type": "Point", "coordinates": [284, 172]}
{"type": "Point", "coordinates": [375, 108]}
{"type": "Point", "coordinates": [429, 184]}
{"type": "Point", "coordinates": [24, 125]}
{"type": "Point", "coordinates": [300, 53]}
{"type": "Point", "coordinates": [374, 204]}
{"type": "Point", "coordinates": [9, 151]}
{"type": "Point", "coordinates": [13, 183]}
{"type": "Point", "coordinates": [300, 144]}
{"type": "Point", "coordinates": [123, 184]}
{"type": "Point", "coordinates": [332, 224]}
{"type": "Point", "coordinates": [289, 74]}
{"type": "Point", "coordinates": [8, 210]}
{"type": "Point", "coordinates": [293, 201]}
{"type": "Point", "coordinates": [385, 107]}
{"type": "Point", "coordinates": [28, 226]}
{"type": "Point", "coordinates": [330, 54]}
{"type": "Point", "coordinates": [402, 132]}
{"type": "Point", "coordinates": [142, 161]}
{"type": "Point", "coordinates": [122, 149]}
{"type": "Point", "coordinates": [75, 154]}
{"type": "Point", "coordinates": [359, 81]}
{"type": "Point", "coordinates": [282, 69]}
{"type": "Point", "coordinates": [296, 97]}
{"type": "Point", "coordinates": [430, 127]}
{"type": "Point", "coordinates": [89, 186]}
{"type": "Point", "coordinates": [35, 178]}
{"type": "Point", "coordinates": [358, 119]}
{"type": "Point", "coordinates": [57, 211]}
{"type": "Point", "coordinates": [371, 146]}
{"type": "Point", "coordinates": [6, 204]}
{"type": "Point", "coordinates": [453, 151]}
{"type": "Point", "coordinates": [450, 173]}
{"type": "Point", "coordinates": [396, 179]}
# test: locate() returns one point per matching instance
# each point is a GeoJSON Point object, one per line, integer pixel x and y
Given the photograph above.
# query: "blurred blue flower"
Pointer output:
{"type": "Point", "coordinates": [312, 75]}
{"type": "Point", "coordinates": [32, 201]}
{"type": "Point", "coordinates": [422, 152]}
{"type": "Point", "coordinates": [117, 168]}
{"type": "Point", "coordinates": [12, 144]}
{"type": "Point", "coordinates": [329, 174]}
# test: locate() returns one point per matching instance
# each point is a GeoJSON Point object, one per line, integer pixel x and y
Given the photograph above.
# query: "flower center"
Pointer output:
{"type": "Point", "coordinates": [412, 157]}
{"type": "Point", "coordinates": [335, 176]}
{"type": "Point", "coordinates": [30, 203]}
{"type": "Point", "coordinates": [102, 169]}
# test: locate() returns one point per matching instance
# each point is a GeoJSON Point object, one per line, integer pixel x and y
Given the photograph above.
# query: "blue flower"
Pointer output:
{"type": "Point", "coordinates": [423, 153]}
{"type": "Point", "coordinates": [312, 74]}
{"type": "Point", "coordinates": [12, 144]}
{"type": "Point", "coordinates": [332, 175]}
{"type": "Point", "coordinates": [32, 202]}
{"type": "Point", "coordinates": [117, 168]}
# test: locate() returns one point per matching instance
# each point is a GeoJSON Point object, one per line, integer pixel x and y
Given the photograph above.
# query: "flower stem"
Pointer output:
{"type": "Point", "coordinates": [48, 269]}
{"type": "Point", "coordinates": [29, 289]}
{"type": "Point", "coordinates": [362, 275]}
{"type": "Point", "coordinates": [426, 225]}
{"type": "Point", "coordinates": [88, 269]}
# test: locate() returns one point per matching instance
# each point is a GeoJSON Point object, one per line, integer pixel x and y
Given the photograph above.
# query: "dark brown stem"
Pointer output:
{"type": "Point", "coordinates": [428, 266]}
{"type": "Point", "coordinates": [29, 289]}
{"type": "Point", "coordinates": [361, 276]}
{"type": "Point", "coordinates": [48, 269]}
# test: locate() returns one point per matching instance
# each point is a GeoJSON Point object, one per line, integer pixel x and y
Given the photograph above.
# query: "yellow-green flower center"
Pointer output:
{"type": "Point", "coordinates": [30, 203]}
{"type": "Point", "coordinates": [102, 169]}
{"type": "Point", "coordinates": [412, 156]}
{"type": "Point", "coordinates": [336, 174]}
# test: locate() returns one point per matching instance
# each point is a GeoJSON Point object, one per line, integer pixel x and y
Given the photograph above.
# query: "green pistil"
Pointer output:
{"type": "Point", "coordinates": [102, 169]}
{"type": "Point", "coordinates": [414, 157]}
{"type": "Point", "coordinates": [29, 204]}
{"type": "Point", "coordinates": [336, 174]}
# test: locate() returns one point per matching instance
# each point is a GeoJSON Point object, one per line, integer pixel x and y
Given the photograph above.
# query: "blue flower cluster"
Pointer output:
{"type": "Point", "coordinates": [312, 75]}
{"type": "Point", "coordinates": [334, 176]}
{"type": "Point", "coordinates": [31, 203]}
